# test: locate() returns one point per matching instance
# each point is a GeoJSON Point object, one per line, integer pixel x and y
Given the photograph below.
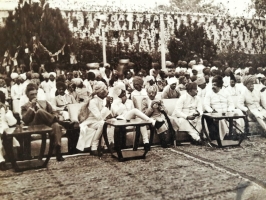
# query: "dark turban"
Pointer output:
{"type": "Point", "coordinates": [60, 84]}
{"type": "Point", "coordinates": [206, 71]}
{"type": "Point", "coordinates": [155, 65]}
{"type": "Point", "coordinates": [248, 79]}
{"type": "Point", "coordinates": [138, 80]}
{"type": "Point", "coordinates": [191, 86]}
{"type": "Point", "coordinates": [193, 78]}
{"type": "Point", "coordinates": [181, 79]}
{"type": "Point", "coordinates": [91, 76]}
{"type": "Point", "coordinates": [232, 77]}
{"type": "Point", "coordinates": [218, 80]}
{"type": "Point", "coordinates": [227, 71]}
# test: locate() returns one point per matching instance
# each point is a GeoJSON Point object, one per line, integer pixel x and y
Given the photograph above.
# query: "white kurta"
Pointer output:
{"type": "Point", "coordinates": [6, 119]}
{"type": "Point", "coordinates": [254, 102]}
{"type": "Point", "coordinates": [226, 81]}
{"type": "Point", "coordinates": [222, 103]}
{"type": "Point", "coordinates": [93, 124]}
{"type": "Point", "coordinates": [234, 92]}
{"type": "Point", "coordinates": [187, 105]}
{"type": "Point", "coordinates": [16, 91]}
{"type": "Point", "coordinates": [88, 85]}
{"type": "Point", "coordinates": [120, 109]}
{"type": "Point", "coordinates": [138, 93]}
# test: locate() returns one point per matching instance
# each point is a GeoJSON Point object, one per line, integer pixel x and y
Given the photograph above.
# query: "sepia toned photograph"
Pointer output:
{"type": "Point", "coordinates": [133, 99]}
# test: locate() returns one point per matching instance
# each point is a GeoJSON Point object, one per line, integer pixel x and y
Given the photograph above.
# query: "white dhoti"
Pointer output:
{"type": "Point", "coordinates": [260, 117]}
{"type": "Point", "coordinates": [85, 137]}
{"type": "Point", "coordinates": [184, 125]}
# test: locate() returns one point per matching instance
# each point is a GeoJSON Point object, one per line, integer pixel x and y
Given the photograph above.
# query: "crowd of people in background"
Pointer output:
{"type": "Point", "coordinates": [42, 97]}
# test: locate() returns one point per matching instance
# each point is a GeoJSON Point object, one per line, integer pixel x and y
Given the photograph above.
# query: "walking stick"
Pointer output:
{"type": "Point", "coordinates": [197, 131]}
{"type": "Point", "coordinates": [171, 129]}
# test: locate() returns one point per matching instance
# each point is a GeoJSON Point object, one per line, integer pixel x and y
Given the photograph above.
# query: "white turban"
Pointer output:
{"type": "Point", "coordinates": [52, 73]}
{"type": "Point", "coordinates": [14, 75]}
{"type": "Point", "coordinates": [150, 78]}
{"type": "Point", "coordinates": [200, 81]}
{"type": "Point", "coordinates": [45, 75]}
{"type": "Point", "coordinates": [23, 76]}
{"type": "Point", "coordinates": [192, 62]}
{"type": "Point", "coordinates": [168, 63]}
{"type": "Point", "coordinates": [77, 81]}
{"type": "Point", "coordinates": [118, 87]}
{"type": "Point", "coordinates": [171, 81]}
{"type": "Point", "coordinates": [212, 68]}
{"type": "Point", "coordinates": [238, 71]}
{"type": "Point", "coordinates": [260, 75]}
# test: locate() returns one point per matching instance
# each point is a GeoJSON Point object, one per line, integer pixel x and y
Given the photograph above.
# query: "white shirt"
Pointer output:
{"type": "Point", "coordinates": [16, 91]}
{"type": "Point", "coordinates": [220, 101]}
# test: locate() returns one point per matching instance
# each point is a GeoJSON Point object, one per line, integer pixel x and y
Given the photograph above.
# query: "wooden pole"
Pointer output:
{"type": "Point", "coordinates": [162, 41]}
{"type": "Point", "coordinates": [104, 45]}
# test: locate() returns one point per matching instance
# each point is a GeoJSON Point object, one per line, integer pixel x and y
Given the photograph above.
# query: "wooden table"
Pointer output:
{"type": "Point", "coordinates": [20, 131]}
{"type": "Point", "coordinates": [229, 116]}
{"type": "Point", "coordinates": [120, 126]}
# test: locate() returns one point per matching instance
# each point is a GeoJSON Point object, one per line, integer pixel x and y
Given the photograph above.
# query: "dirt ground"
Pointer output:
{"type": "Point", "coordinates": [186, 172]}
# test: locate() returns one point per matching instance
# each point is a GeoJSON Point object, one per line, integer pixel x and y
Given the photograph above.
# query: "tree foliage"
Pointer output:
{"type": "Point", "coordinates": [38, 20]}
{"type": "Point", "coordinates": [196, 6]}
{"type": "Point", "coordinates": [190, 40]}
{"type": "Point", "coordinates": [260, 6]}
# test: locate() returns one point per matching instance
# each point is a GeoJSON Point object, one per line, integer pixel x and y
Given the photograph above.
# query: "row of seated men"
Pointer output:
{"type": "Point", "coordinates": [193, 98]}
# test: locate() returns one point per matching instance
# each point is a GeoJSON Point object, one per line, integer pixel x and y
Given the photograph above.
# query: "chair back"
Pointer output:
{"type": "Point", "coordinates": [170, 105]}
{"type": "Point", "coordinates": [73, 110]}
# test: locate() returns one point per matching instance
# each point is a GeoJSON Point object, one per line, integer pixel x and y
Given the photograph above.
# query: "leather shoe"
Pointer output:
{"type": "Point", "coordinates": [67, 124]}
{"type": "Point", "coordinates": [147, 147]}
{"type": "Point", "coordinates": [158, 124]}
{"type": "Point", "coordinates": [197, 142]}
{"type": "Point", "coordinates": [3, 166]}
{"type": "Point", "coordinates": [94, 153]}
{"type": "Point", "coordinates": [60, 158]}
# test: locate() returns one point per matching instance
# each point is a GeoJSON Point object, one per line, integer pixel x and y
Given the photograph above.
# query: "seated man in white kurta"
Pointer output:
{"type": "Point", "coordinates": [251, 99]}
{"type": "Point", "coordinates": [92, 116]}
{"type": "Point", "coordinates": [220, 101]}
{"type": "Point", "coordinates": [6, 119]}
{"type": "Point", "coordinates": [188, 112]}
{"type": "Point", "coordinates": [233, 89]}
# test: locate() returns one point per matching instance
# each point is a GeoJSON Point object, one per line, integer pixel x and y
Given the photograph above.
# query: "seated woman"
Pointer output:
{"type": "Point", "coordinates": [7, 119]}
{"type": "Point", "coordinates": [123, 108]}
{"type": "Point", "coordinates": [61, 101]}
